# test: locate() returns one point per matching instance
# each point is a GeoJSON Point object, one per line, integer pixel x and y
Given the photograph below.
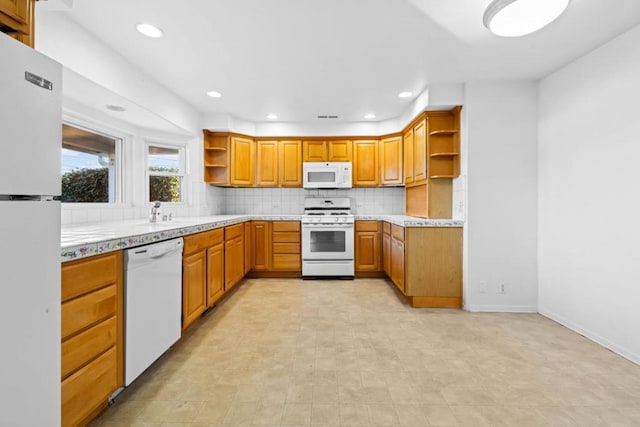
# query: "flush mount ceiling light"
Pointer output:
{"type": "Point", "coordinates": [369, 116]}
{"type": "Point", "coordinates": [149, 30]}
{"type": "Point", "coordinates": [214, 94]}
{"type": "Point", "coordinates": [272, 116]}
{"type": "Point", "coordinates": [514, 18]}
{"type": "Point", "coordinates": [405, 94]}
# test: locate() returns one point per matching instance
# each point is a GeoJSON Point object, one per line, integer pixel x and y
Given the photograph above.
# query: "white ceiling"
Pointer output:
{"type": "Point", "coordinates": [301, 58]}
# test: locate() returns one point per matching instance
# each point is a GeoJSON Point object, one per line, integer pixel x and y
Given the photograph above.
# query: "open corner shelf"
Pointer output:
{"type": "Point", "coordinates": [442, 176]}
{"type": "Point", "coordinates": [215, 165]}
{"type": "Point", "coordinates": [215, 148]}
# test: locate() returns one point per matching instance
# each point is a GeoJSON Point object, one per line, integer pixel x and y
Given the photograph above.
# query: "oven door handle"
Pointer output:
{"type": "Point", "coordinates": [315, 225]}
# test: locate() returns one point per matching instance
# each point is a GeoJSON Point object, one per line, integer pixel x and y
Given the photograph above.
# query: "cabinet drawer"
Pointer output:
{"type": "Point", "coordinates": [286, 248]}
{"type": "Point", "coordinates": [197, 242]}
{"type": "Point", "coordinates": [89, 388]}
{"type": "Point", "coordinates": [83, 276]}
{"type": "Point", "coordinates": [87, 345]}
{"type": "Point", "coordinates": [286, 237]}
{"type": "Point", "coordinates": [286, 262]}
{"type": "Point", "coordinates": [366, 225]}
{"type": "Point", "coordinates": [233, 231]}
{"type": "Point", "coordinates": [81, 312]}
{"type": "Point", "coordinates": [386, 228]}
{"type": "Point", "coordinates": [286, 226]}
{"type": "Point", "coordinates": [397, 232]}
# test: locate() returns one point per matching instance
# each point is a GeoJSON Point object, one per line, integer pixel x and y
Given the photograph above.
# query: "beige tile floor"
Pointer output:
{"type": "Point", "coordinates": [352, 353]}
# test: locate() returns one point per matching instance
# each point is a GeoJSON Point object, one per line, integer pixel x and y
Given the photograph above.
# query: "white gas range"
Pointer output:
{"type": "Point", "coordinates": [327, 237]}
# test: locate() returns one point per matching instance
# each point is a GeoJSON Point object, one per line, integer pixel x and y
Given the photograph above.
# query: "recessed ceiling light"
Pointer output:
{"type": "Point", "coordinates": [369, 116]}
{"type": "Point", "coordinates": [272, 116]}
{"type": "Point", "coordinates": [214, 94]}
{"type": "Point", "coordinates": [149, 30]}
{"type": "Point", "coordinates": [514, 18]}
{"type": "Point", "coordinates": [405, 94]}
{"type": "Point", "coordinates": [116, 108]}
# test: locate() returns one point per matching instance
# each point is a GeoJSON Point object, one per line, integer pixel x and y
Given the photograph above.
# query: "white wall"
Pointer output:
{"type": "Point", "coordinates": [500, 122]}
{"type": "Point", "coordinates": [589, 234]}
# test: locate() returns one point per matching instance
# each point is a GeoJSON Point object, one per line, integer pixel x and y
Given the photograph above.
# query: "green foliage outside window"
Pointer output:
{"type": "Point", "coordinates": [85, 186]}
{"type": "Point", "coordinates": [92, 186]}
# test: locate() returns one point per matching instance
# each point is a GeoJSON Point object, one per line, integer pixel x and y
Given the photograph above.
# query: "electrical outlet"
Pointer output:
{"type": "Point", "coordinates": [482, 287]}
{"type": "Point", "coordinates": [503, 288]}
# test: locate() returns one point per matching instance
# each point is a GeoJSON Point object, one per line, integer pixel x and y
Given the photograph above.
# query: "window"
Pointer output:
{"type": "Point", "coordinates": [90, 166]}
{"type": "Point", "coordinates": [165, 168]}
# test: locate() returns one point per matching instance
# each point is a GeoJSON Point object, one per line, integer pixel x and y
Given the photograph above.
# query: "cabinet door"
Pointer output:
{"type": "Point", "coordinates": [194, 287]}
{"type": "Point", "coordinates": [229, 264]}
{"type": "Point", "coordinates": [365, 163]}
{"type": "Point", "coordinates": [391, 161]}
{"type": "Point", "coordinates": [290, 164]}
{"type": "Point", "coordinates": [261, 245]}
{"type": "Point", "coordinates": [267, 163]}
{"type": "Point", "coordinates": [239, 256]}
{"type": "Point", "coordinates": [386, 254]}
{"type": "Point", "coordinates": [340, 151]}
{"type": "Point", "coordinates": [367, 251]}
{"type": "Point", "coordinates": [248, 248]}
{"type": "Point", "coordinates": [242, 161]}
{"type": "Point", "coordinates": [16, 9]}
{"type": "Point", "coordinates": [397, 263]}
{"type": "Point", "coordinates": [420, 151]}
{"type": "Point", "coordinates": [215, 273]}
{"type": "Point", "coordinates": [408, 156]}
{"type": "Point", "coordinates": [314, 151]}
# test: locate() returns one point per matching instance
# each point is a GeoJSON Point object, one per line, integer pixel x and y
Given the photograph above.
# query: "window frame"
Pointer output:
{"type": "Point", "coordinates": [182, 169]}
{"type": "Point", "coordinates": [119, 139]}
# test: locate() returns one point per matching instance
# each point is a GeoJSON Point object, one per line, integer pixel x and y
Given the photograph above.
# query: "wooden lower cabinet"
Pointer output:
{"type": "Point", "coordinates": [215, 273]}
{"type": "Point", "coordinates": [368, 252]}
{"type": "Point", "coordinates": [425, 263]}
{"type": "Point", "coordinates": [194, 288]}
{"type": "Point", "coordinates": [17, 19]}
{"type": "Point", "coordinates": [92, 335]}
{"type": "Point", "coordinates": [397, 257]}
{"type": "Point", "coordinates": [386, 252]}
{"type": "Point", "coordinates": [234, 255]}
{"type": "Point", "coordinates": [202, 274]}
{"type": "Point", "coordinates": [276, 249]}
{"type": "Point", "coordinates": [285, 251]}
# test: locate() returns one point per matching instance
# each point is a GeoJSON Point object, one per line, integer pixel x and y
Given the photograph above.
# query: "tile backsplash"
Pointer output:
{"type": "Point", "coordinates": [388, 200]}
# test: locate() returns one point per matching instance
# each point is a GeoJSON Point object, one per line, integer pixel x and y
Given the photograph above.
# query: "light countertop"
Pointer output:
{"type": "Point", "coordinates": [80, 241]}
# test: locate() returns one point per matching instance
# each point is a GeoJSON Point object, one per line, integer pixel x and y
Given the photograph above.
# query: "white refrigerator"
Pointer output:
{"type": "Point", "coordinates": [30, 144]}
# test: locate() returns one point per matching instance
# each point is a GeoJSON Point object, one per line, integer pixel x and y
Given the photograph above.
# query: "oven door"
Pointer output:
{"type": "Point", "coordinates": [327, 241]}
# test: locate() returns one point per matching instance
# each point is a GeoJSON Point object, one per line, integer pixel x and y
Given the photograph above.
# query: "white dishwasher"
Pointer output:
{"type": "Point", "coordinates": [153, 303]}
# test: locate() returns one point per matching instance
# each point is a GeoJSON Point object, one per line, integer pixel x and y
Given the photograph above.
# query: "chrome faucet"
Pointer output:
{"type": "Point", "coordinates": [155, 212]}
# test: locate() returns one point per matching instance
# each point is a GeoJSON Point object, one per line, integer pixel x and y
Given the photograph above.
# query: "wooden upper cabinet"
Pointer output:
{"type": "Point", "coordinates": [339, 151]}
{"type": "Point", "coordinates": [391, 161]}
{"type": "Point", "coordinates": [290, 163]}
{"type": "Point", "coordinates": [420, 151]}
{"type": "Point", "coordinates": [17, 19]}
{"type": "Point", "coordinates": [328, 151]}
{"type": "Point", "coordinates": [267, 163]}
{"type": "Point", "coordinates": [242, 161]}
{"type": "Point", "coordinates": [315, 151]}
{"type": "Point", "coordinates": [365, 163]}
{"type": "Point", "coordinates": [408, 156]}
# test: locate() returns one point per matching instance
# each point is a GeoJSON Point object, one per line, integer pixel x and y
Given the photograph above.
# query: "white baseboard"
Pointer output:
{"type": "Point", "coordinates": [621, 350]}
{"type": "Point", "coordinates": [502, 308]}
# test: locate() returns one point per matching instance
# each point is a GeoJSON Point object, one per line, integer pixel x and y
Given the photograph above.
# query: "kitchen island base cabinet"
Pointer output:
{"type": "Point", "coordinates": [434, 266]}
{"type": "Point", "coordinates": [425, 264]}
{"type": "Point", "coordinates": [92, 335]}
